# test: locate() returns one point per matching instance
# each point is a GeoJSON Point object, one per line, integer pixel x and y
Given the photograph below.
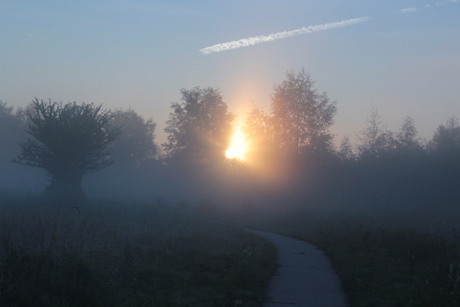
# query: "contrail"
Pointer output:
{"type": "Point", "coordinates": [246, 42]}
{"type": "Point", "coordinates": [408, 10]}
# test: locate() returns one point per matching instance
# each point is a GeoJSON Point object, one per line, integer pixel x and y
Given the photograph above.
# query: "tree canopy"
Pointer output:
{"type": "Point", "coordinates": [67, 140]}
{"type": "Point", "coordinates": [136, 143]}
{"type": "Point", "coordinates": [301, 115]}
{"type": "Point", "coordinates": [446, 139]}
{"type": "Point", "coordinates": [199, 126]}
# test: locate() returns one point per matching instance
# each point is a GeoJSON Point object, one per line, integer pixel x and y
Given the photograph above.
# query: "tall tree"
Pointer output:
{"type": "Point", "coordinates": [444, 149]}
{"type": "Point", "coordinates": [376, 141]}
{"type": "Point", "coordinates": [301, 115]}
{"type": "Point", "coordinates": [346, 150]}
{"type": "Point", "coordinates": [446, 140]}
{"type": "Point", "coordinates": [198, 127]}
{"type": "Point", "coordinates": [406, 138]}
{"type": "Point", "coordinates": [136, 143]}
{"type": "Point", "coordinates": [11, 132]}
{"type": "Point", "coordinates": [67, 140]}
{"type": "Point", "coordinates": [259, 131]}
{"type": "Point", "coordinates": [136, 169]}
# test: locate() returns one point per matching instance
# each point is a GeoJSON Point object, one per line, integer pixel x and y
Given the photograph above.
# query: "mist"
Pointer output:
{"type": "Point", "coordinates": [293, 179]}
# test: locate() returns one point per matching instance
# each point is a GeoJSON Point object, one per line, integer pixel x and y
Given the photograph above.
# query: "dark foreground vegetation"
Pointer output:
{"type": "Point", "coordinates": [380, 266]}
{"type": "Point", "coordinates": [384, 260]}
{"type": "Point", "coordinates": [127, 254]}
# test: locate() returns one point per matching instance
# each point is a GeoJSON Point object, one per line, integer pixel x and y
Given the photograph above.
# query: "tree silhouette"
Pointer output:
{"type": "Point", "coordinates": [199, 126]}
{"type": "Point", "coordinates": [136, 143]}
{"type": "Point", "coordinates": [259, 128]}
{"type": "Point", "coordinates": [67, 140]}
{"type": "Point", "coordinates": [264, 152]}
{"type": "Point", "coordinates": [301, 116]}
{"type": "Point", "coordinates": [376, 141]}
{"type": "Point", "coordinates": [346, 150]}
{"type": "Point", "coordinates": [11, 132]}
{"type": "Point", "coordinates": [446, 140]}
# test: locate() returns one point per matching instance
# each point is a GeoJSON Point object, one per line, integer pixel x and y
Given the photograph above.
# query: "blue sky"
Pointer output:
{"type": "Point", "coordinates": [405, 60]}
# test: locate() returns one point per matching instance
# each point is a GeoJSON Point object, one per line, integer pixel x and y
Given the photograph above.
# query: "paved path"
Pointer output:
{"type": "Point", "coordinates": [304, 277]}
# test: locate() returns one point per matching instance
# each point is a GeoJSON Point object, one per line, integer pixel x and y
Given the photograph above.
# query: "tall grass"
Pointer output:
{"type": "Point", "coordinates": [383, 261]}
{"type": "Point", "coordinates": [127, 254]}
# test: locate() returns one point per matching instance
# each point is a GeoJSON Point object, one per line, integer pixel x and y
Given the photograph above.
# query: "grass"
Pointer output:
{"type": "Point", "coordinates": [381, 264]}
{"type": "Point", "coordinates": [154, 254]}
{"type": "Point", "coordinates": [128, 254]}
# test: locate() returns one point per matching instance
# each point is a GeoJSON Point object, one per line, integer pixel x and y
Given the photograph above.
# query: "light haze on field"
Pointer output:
{"type": "Point", "coordinates": [139, 54]}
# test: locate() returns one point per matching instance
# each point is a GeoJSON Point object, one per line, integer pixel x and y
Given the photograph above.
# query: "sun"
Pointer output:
{"type": "Point", "coordinates": [238, 146]}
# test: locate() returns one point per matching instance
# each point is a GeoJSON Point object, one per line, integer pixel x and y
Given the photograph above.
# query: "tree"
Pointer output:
{"type": "Point", "coordinates": [345, 152]}
{"type": "Point", "coordinates": [68, 141]}
{"type": "Point", "coordinates": [406, 139]}
{"type": "Point", "coordinates": [446, 140]}
{"type": "Point", "coordinates": [11, 132]}
{"type": "Point", "coordinates": [443, 175]}
{"type": "Point", "coordinates": [301, 116]}
{"type": "Point", "coordinates": [136, 170]}
{"type": "Point", "coordinates": [199, 126]}
{"type": "Point", "coordinates": [258, 129]}
{"type": "Point", "coordinates": [376, 141]}
{"type": "Point", "coordinates": [136, 143]}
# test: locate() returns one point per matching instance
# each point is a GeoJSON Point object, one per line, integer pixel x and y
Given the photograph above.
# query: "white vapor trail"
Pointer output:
{"type": "Point", "coordinates": [246, 42]}
{"type": "Point", "coordinates": [408, 10]}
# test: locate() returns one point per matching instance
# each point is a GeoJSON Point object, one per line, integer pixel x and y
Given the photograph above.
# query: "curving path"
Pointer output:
{"type": "Point", "coordinates": [304, 277]}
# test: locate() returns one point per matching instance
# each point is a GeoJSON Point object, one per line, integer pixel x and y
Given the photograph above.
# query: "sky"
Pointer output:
{"type": "Point", "coordinates": [400, 57]}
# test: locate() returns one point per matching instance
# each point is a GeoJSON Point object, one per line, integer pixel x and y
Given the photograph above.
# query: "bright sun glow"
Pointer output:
{"type": "Point", "coordinates": [238, 146]}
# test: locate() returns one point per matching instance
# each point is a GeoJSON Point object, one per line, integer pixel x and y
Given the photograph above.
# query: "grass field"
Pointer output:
{"type": "Point", "coordinates": [155, 254]}
{"type": "Point", "coordinates": [128, 254]}
{"type": "Point", "coordinates": [381, 264]}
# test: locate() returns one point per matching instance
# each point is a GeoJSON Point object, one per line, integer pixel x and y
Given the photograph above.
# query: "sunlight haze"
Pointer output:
{"type": "Point", "coordinates": [238, 145]}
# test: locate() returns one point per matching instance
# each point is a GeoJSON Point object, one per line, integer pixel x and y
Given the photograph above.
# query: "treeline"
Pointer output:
{"type": "Point", "coordinates": [292, 161]}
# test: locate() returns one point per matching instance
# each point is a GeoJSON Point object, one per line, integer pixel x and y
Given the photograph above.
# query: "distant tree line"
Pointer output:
{"type": "Point", "coordinates": [292, 161]}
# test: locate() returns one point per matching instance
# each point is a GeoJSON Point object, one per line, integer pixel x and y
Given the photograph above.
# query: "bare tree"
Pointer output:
{"type": "Point", "coordinates": [67, 140]}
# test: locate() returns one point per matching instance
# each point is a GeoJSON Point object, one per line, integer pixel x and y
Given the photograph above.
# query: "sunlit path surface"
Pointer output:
{"type": "Point", "coordinates": [304, 277]}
